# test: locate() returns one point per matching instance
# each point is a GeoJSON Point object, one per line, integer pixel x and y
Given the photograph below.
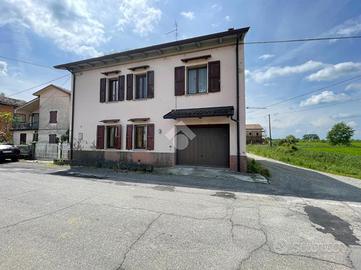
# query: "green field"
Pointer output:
{"type": "Point", "coordinates": [342, 160]}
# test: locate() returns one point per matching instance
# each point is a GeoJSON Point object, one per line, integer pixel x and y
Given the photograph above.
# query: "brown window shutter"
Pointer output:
{"type": "Point", "coordinates": [118, 137]}
{"type": "Point", "coordinates": [129, 137]}
{"type": "Point", "coordinates": [103, 86]}
{"type": "Point", "coordinates": [179, 80]}
{"type": "Point", "coordinates": [53, 117]}
{"type": "Point", "coordinates": [214, 76]}
{"type": "Point", "coordinates": [150, 82]}
{"type": "Point", "coordinates": [150, 137]}
{"type": "Point", "coordinates": [129, 86]}
{"type": "Point", "coordinates": [121, 87]}
{"type": "Point", "coordinates": [100, 137]}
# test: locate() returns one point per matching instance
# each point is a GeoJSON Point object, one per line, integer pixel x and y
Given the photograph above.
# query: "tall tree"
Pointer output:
{"type": "Point", "coordinates": [340, 133]}
{"type": "Point", "coordinates": [6, 121]}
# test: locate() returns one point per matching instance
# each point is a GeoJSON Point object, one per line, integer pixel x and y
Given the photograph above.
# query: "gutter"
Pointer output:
{"type": "Point", "coordinates": [237, 106]}
{"type": "Point", "coordinates": [72, 117]}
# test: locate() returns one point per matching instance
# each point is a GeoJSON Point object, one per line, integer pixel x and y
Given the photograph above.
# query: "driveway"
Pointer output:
{"type": "Point", "coordinates": [59, 218]}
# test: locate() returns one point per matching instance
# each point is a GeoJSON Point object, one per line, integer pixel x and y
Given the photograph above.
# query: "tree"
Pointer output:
{"type": "Point", "coordinates": [291, 139]}
{"type": "Point", "coordinates": [340, 133]}
{"type": "Point", "coordinates": [311, 137]}
{"type": "Point", "coordinates": [6, 122]}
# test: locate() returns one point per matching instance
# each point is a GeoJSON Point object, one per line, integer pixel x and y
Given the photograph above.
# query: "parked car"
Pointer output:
{"type": "Point", "coordinates": [9, 151]}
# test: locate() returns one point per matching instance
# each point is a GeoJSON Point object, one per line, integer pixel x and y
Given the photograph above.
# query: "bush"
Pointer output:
{"type": "Point", "coordinates": [340, 134]}
{"type": "Point", "coordinates": [311, 137]}
{"type": "Point", "coordinates": [254, 167]}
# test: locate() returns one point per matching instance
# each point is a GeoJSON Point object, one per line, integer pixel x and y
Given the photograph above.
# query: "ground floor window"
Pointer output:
{"type": "Point", "coordinates": [52, 138]}
{"type": "Point", "coordinates": [22, 138]}
{"type": "Point", "coordinates": [35, 136]}
{"type": "Point", "coordinates": [140, 137]}
{"type": "Point", "coordinates": [111, 137]}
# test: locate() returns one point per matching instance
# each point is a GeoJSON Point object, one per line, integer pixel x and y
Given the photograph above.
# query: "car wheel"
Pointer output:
{"type": "Point", "coordinates": [14, 159]}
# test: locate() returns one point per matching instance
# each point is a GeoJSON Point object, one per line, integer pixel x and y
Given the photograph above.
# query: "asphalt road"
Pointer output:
{"type": "Point", "coordinates": [53, 220]}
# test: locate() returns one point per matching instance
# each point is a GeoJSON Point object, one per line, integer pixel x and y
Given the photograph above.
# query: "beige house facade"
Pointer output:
{"type": "Point", "coordinates": [178, 103]}
{"type": "Point", "coordinates": [44, 119]}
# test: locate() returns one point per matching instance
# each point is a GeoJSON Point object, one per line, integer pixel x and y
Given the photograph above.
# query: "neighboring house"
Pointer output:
{"type": "Point", "coordinates": [8, 105]}
{"type": "Point", "coordinates": [174, 103]}
{"type": "Point", "coordinates": [254, 133]}
{"type": "Point", "coordinates": [44, 119]}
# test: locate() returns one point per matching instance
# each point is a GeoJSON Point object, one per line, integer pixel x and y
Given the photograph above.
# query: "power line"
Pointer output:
{"type": "Point", "coordinates": [300, 40]}
{"type": "Point", "coordinates": [319, 107]}
{"type": "Point", "coordinates": [27, 62]}
{"type": "Point", "coordinates": [314, 91]}
{"type": "Point", "coordinates": [28, 89]}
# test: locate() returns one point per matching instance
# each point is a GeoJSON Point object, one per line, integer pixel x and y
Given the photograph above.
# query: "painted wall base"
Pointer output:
{"type": "Point", "coordinates": [150, 158]}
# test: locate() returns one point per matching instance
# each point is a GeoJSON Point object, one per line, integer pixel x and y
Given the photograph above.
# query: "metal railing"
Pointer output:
{"type": "Point", "coordinates": [26, 126]}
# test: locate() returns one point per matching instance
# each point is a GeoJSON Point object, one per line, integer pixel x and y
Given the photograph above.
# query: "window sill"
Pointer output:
{"type": "Point", "coordinates": [196, 94]}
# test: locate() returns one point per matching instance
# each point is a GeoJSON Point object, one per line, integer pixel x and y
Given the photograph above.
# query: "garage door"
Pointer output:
{"type": "Point", "coordinates": [209, 146]}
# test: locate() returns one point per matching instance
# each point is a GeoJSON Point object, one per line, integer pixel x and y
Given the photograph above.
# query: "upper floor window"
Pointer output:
{"type": "Point", "coordinates": [53, 117]}
{"type": "Point", "coordinates": [197, 80]}
{"type": "Point", "coordinates": [113, 90]}
{"type": "Point", "coordinates": [140, 86]}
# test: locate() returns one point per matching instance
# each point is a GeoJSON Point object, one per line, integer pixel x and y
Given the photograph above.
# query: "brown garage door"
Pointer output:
{"type": "Point", "coordinates": [209, 147]}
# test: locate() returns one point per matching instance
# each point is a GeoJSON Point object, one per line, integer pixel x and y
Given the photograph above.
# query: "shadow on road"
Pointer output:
{"type": "Point", "coordinates": [285, 181]}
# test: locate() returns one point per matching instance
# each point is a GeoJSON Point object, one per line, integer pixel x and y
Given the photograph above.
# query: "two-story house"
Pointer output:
{"type": "Point", "coordinates": [44, 119]}
{"type": "Point", "coordinates": [7, 106]}
{"type": "Point", "coordinates": [181, 102]}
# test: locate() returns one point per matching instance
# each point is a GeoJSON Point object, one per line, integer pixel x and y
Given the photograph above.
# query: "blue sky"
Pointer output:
{"type": "Point", "coordinates": [55, 32]}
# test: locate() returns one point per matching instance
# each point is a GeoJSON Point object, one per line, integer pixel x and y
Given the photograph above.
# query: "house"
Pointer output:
{"type": "Point", "coordinates": [45, 118]}
{"type": "Point", "coordinates": [7, 105]}
{"type": "Point", "coordinates": [177, 103]}
{"type": "Point", "coordinates": [254, 133]}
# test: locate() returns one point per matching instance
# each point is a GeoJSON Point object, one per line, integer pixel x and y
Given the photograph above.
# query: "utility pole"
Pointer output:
{"type": "Point", "coordinates": [270, 131]}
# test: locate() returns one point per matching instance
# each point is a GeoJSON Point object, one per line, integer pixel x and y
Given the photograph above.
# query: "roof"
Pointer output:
{"type": "Point", "coordinates": [216, 39]}
{"type": "Point", "coordinates": [11, 101]}
{"type": "Point", "coordinates": [200, 112]}
{"type": "Point", "coordinates": [39, 92]}
{"type": "Point", "coordinates": [31, 105]}
{"type": "Point", "coordinates": [254, 126]}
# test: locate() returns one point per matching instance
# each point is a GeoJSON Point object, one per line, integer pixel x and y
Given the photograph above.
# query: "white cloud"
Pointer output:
{"type": "Point", "coordinates": [266, 56]}
{"type": "Point", "coordinates": [188, 14]}
{"type": "Point", "coordinates": [353, 86]}
{"type": "Point", "coordinates": [322, 122]}
{"type": "Point", "coordinates": [263, 75]}
{"type": "Point", "coordinates": [3, 68]}
{"type": "Point", "coordinates": [352, 124]}
{"type": "Point", "coordinates": [350, 27]}
{"type": "Point", "coordinates": [324, 97]}
{"type": "Point", "coordinates": [139, 15]}
{"type": "Point", "coordinates": [227, 18]}
{"type": "Point", "coordinates": [68, 23]}
{"type": "Point", "coordinates": [332, 72]}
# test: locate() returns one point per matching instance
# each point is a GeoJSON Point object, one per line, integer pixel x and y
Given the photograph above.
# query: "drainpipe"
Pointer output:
{"type": "Point", "coordinates": [237, 106]}
{"type": "Point", "coordinates": [72, 117]}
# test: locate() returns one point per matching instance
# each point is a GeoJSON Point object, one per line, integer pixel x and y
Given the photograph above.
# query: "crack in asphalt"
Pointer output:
{"type": "Point", "coordinates": [266, 243]}
{"type": "Point", "coordinates": [120, 267]}
{"type": "Point", "coordinates": [163, 213]}
{"type": "Point", "coordinates": [43, 215]}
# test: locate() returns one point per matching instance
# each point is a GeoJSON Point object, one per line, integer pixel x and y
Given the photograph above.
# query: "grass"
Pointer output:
{"type": "Point", "coordinates": [342, 160]}
{"type": "Point", "coordinates": [255, 167]}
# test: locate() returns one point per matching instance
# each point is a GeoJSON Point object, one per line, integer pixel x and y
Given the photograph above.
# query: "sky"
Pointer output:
{"type": "Point", "coordinates": [306, 87]}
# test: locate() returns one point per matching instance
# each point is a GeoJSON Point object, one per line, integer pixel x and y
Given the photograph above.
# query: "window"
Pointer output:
{"type": "Point", "coordinates": [53, 117]}
{"type": "Point", "coordinates": [111, 137]}
{"type": "Point", "coordinates": [140, 137]}
{"type": "Point", "coordinates": [22, 138]}
{"type": "Point", "coordinates": [19, 118]}
{"type": "Point", "coordinates": [53, 138]}
{"type": "Point", "coordinates": [113, 90]}
{"type": "Point", "coordinates": [35, 136]}
{"type": "Point", "coordinates": [197, 80]}
{"type": "Point", "coordinates": [140, 86]}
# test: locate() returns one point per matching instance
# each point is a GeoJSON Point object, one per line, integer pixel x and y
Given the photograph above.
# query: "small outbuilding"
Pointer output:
{"type": "Point", "coordinates": [254, 133]}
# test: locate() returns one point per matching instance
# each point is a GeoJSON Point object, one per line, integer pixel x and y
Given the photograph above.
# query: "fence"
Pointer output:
{"type": "Point", "coordinates": [51, 151]}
